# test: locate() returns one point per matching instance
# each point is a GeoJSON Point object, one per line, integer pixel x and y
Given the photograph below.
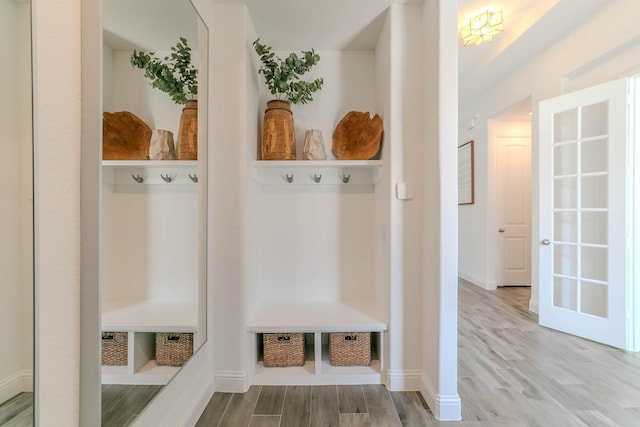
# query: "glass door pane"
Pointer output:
{"type": "Point", "coordinates": [580, 205]}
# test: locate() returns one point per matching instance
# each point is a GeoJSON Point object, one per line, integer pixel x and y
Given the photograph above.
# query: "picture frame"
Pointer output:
{"type": "Point", "coordinates": [466, 182]}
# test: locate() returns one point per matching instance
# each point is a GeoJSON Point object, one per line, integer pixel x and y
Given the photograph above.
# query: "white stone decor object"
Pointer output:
{"type": "Point", "coordinates": [161, 146]}
{"type": "Point", "coordinates": [313, 146]}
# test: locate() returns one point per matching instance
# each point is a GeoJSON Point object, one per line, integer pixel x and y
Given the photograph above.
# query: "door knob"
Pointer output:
{"type": "Point", "coordinates": [501, 230]}
{"type": "Point", "coordinates": [545, 242]}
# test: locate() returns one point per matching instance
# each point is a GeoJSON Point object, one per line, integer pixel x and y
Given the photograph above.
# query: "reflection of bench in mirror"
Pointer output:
{"type": "Point", "coordinates": [158, 345]}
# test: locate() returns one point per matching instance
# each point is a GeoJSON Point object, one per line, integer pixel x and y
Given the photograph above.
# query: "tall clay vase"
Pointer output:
{"type": "Point", "coordinates": [278, 135]}
{"type": "Point", "coordinates": [188, 133]}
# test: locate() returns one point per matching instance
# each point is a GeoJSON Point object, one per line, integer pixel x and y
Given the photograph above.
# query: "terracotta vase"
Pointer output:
{"type": "Point", "coordinates": [278, 134]}
{"type": "Point", "coordinates": [188, 133]}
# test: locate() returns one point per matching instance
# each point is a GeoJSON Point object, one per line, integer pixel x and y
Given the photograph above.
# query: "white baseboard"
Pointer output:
{"type": "Point", "coordinates": [484, 284]}
{"type": "Point", "coordinates": [404, 380]}
{"type": "Point", "coordinates": [231, 381]}
{"type": "Point", "coordinates": [19, 382]}
{"type": "Point", "coordinates": [444, 407]}
{"type": "Point", "coordinates": [534, 306]}
{"type": "Point", "coordinates": [199, 403]}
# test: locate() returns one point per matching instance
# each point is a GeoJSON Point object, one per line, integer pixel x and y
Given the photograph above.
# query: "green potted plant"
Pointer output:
{"type": "Point", "coordinates": [282, 78]}
{"type": "Point", "coordinates": [176, 76]}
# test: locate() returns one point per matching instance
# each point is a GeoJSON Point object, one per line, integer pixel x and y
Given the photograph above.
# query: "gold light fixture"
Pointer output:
{"type": "Point", "coordinates": [482, 27]}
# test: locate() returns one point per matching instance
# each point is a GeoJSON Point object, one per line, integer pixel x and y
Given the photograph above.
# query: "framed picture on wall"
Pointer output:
{"type": "Point", "coordinates": [465, 174]}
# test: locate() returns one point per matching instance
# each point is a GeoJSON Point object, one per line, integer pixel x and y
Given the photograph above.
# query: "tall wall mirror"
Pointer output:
{"type": "Point", "coordinates": [16, 215]}
{"type": "Point", "coordinates": [153, 202]}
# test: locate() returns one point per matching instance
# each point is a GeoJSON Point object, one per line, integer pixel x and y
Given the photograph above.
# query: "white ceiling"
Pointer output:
{"type": "Point", "coordinates": [529, 27]}
{"type": "Point", "coordinates": [154, 25]}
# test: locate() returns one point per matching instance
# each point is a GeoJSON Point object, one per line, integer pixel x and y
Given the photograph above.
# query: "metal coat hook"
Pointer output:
{"type": "Point", "coordinates": [193, 178]}
{"type": "Point", "coordinates": [166, 178]}
{"type": "Point", "coordinates": [346, 178]}
{"type": "Point", "coordinates": [137, 178]}
{"type": "Point", "coordinates": [289, 178]}
{"type": "Point", "coordinates": [317, 178]}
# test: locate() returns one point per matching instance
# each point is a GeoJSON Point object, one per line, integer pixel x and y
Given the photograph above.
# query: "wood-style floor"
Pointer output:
{"type": "Point", "coordinates": [17, 411]}
{"type": "Point", "coordinates": [511, 373]}
{"type": "Point", "coordinates": [121, 404]}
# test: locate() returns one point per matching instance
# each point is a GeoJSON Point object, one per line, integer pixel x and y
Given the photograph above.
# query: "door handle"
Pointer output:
{"type": "Point", "coordinates": [500, 230]}
{"type": "Point", "coordinates": [545, 242]}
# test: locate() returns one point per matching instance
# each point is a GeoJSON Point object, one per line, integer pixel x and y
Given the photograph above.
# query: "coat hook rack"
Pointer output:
{"type": "Point", "coordinates": [346, 178]}
{"type": "Point", "coordinates": [166, 178]}
{"type": "Point", "coordinates": [193, 178]}
{"type": "Point", "coordinates": [289, 178]}
{"type": "Point", "coordinates": [317, 178]}
{"type": "Point", "coordinates": [137, 178]}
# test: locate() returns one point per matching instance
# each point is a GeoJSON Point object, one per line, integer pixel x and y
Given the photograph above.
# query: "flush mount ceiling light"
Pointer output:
{"type": "Point", "coordinates": [482, 27]}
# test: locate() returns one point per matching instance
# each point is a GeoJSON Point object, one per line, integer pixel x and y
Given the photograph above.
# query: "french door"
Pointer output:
{"type": "Point", "coordinates": [584, 271]}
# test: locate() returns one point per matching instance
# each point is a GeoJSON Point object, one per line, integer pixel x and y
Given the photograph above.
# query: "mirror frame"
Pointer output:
{"type": "Point", "coordinates": [91, 178]}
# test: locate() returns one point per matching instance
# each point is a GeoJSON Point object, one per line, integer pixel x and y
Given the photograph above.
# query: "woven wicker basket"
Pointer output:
{"type": "Point", "coordinates": [173, 349]}
{"type": "Point", "coordinates": [114, 348]}
{"type": "Point", "coordinates": [350, 349]}
{"type": "Point", "coordinates": [282, 350]}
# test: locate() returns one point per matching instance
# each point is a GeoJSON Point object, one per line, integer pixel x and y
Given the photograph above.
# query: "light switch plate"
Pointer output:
{"type": "Point", "coordinates": [404, 191]}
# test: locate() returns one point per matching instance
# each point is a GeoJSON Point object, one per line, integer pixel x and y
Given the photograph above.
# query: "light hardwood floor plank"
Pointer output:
{"type": "Point", "coordinates": [265, 421]}
{"type": "Point", "coordinates": [380, 407]}
{"type": "Point", "coordinates": [351, 399]}
{"type": "Point", "coordinates": [240, 408]}
{"type": "Point", "coordinates": [324, 406]}
{"type": "Point", "coordinates": [355, 420]}
{"type": "Point", "coordinates": [271, 400]}
{"type": "Point", "coordinates": [297, 407]}
{"type": "Point", "coordinates": [214, 410]}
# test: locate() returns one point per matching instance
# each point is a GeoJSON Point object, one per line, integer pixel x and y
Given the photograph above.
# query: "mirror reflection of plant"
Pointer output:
{"type": "Point", "coordinates": [283, 77]}
{"type": "Point", "coordinates": [174, 74]}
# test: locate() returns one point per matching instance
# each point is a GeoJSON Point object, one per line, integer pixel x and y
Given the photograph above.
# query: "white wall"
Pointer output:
{"type": "Point", "coordinates": [318, 245]}
{"type": "Point", "coordinates": [583, 58]}
{"type": "Point", "coordinates": [439, 237]}
{"type": "Point", "coordinates": [57, 134]}
{"type": "Point", "coordinates": [16, 252]}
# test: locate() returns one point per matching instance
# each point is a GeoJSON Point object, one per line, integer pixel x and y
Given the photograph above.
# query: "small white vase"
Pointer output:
{"type": "Point", "coordinates": [313, 146]}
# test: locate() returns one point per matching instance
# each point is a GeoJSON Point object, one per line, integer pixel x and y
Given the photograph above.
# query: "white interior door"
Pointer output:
{"type": "Point", "coordinates": [583, 184]}
{"type": "Point", "coordinates": [513, 173]}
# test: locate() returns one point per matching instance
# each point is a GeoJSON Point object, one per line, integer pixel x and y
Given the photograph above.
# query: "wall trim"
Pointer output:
{"type": "Point", "coordinates": [18, 382]}
{"type": "Point", "coordinates": [444, 407]}
{"type": "Point", "coordinates": [404, 380]}
{"type": "Point", "coordinates": [484, 284]}
{"type": "Point", "coordinates": [231, 381]}
{"type": "Point", "coordinates": [534, 306]}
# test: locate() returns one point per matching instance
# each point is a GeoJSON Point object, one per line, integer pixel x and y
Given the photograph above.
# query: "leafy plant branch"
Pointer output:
{"type": "Point", "coordinates": [174, 74]}
{"type": "Point", "coordinates": [283, 77]}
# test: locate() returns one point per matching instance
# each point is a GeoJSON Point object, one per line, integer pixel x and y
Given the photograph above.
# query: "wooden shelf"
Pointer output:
{"type": "Point", "coordinates": [352, 316]}
{"type": "Point", "coordinates": [326, 172]}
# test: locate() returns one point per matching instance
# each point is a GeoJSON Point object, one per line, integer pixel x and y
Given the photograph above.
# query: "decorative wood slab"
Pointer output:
{"type": "Point", "coordinates": [125, 136]}
{"type": "Point", "coordinates": [357, 136]}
